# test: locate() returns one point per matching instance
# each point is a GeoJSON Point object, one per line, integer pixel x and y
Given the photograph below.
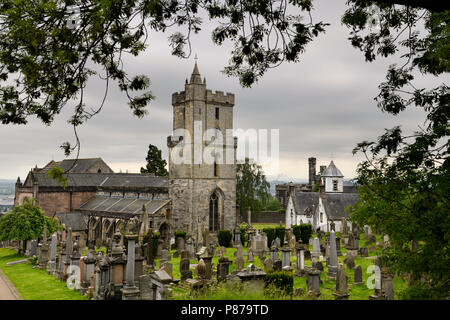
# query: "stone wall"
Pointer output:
{"type": "Point", "coordinates": [265, 217]}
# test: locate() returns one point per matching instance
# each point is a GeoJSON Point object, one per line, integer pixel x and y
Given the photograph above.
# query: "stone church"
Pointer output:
{"type": "Point", "coordinates": [196, 195]}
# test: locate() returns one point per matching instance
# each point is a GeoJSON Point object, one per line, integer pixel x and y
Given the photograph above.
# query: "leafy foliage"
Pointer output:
{"type": "Point", "coordinates": [283, 280]}
{"type": "Point", "coordinates": [155, 163]}
{"type": "Point", "coordinates": [303, 232]}
{"type": "Point", "coordinates": [26, 222]}
{"type": "Point", "coordinates": [252, 188]}
{"type": "Point", "coordinates": [225, 237]}
{"type": "Point", "coordinates": [404, 180]}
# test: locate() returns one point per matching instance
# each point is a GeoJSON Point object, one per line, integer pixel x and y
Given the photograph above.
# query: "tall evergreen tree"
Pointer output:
{"type": "Point", "coordinates": [155, 163]}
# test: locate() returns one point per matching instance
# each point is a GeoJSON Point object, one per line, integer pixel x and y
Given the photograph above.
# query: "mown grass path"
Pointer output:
{"type": "Point", "coordinates": [34, 284]}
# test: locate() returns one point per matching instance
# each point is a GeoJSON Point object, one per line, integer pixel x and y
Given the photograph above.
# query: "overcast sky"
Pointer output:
{"type": "Point", "coordinates": [322, 105]}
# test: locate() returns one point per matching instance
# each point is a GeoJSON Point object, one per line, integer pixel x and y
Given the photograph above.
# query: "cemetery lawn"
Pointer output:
{"type": "Point", "coordinates": [225, 292]}
{"type": "Point", "coordinates": [34, 284]}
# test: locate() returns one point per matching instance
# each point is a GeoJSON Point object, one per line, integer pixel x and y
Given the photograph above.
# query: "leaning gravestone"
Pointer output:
{"type": "Point", "coordinates": [277, 265]}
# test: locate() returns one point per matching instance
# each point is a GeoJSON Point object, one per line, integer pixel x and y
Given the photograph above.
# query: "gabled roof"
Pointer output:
{"type": "Point", "coordinates": [335, 204]}
{"type": "Point", "coordinates": [332, 171]}
{"type": "Point", "coordinates": [104, 180]}
{"type": "Point", "coordinates": [74, 165]}
{"type": "Point", "coordinates": [304, 200]}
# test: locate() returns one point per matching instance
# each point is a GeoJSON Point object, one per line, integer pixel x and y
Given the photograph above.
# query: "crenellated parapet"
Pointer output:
{"type": "Point", "coordinates": [214, 98]}
{"type": "Point", "coordinates": [219, 98]}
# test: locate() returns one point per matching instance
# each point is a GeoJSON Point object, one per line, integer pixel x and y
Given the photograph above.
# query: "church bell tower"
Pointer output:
{"type": "Point", "coordinates": [202, 159]}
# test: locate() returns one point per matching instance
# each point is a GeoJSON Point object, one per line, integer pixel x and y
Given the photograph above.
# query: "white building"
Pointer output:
{"type": "Point", "coordinates": [320, 208]}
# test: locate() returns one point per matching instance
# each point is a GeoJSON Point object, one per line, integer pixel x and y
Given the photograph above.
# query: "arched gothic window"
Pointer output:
{"type": "Point", "coordinates": [214, 213]}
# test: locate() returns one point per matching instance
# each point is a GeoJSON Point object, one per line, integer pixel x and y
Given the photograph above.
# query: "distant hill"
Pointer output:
{"type": "Point", "coordinates": [7, 187]}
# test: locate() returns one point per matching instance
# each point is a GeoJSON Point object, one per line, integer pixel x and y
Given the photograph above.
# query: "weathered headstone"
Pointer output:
{"type": "Point", "coordinates": [332, 266]}
{"type": "Point", "coordinates": [268, 264]}
{"type": "Point", "coordinates": [313, 281]}
{"type": "Point", "coordinates": [250, 255]}
{"type": "Point", "coordinates": [350, 262]}
{"type": "Point", "coordinates": [358, 276]}
{"type": "Point", "coordinates": [186, 273]}
{"type": "Point", "coordinates": [130, 291]}
{"type": "Point", "coordinates": [239, 258]}
{"type": "Point", "coordinates": [316, 248]}
{"type": "Point", "coordinates": [285, 256]}
{"type": "Point", "coordinates": [341, 284]}
{"type": "Point", "coordinates": [364, 252]}
{"type": "Point", "coordinates": [277, 265]}
{"type": "Point", "coordinates": [274, 253]}
{"type": "Point", "coordinates": [223, 268]}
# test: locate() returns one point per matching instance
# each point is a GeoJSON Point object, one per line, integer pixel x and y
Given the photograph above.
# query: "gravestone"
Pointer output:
{"type": "Point", "coordinates": [250, 255]}
{"type": "Point", "coordinates": [223, 268]}
{"type": "Point", "coordinates": [285, 256]}
{"type": "Point", "coordinates": [364, 252]}
{"type": "Point", "coordinates": [190, 248]}
{"type": "Point", "coordinates": [316, 248]}
{"type": "Point", "coordinates": [338, 246]}
{"type": "Point", "coordinates": [277, 265]}
{"type": "Point", "coordinates": [313, 281]}
{"type": "Point", "coordinates": [186, 273]}
{"type": "Point", "coordinates": [341, 284]}
{"type": "Point", "coordinates": [300, 261]}
{"type": "Point", "coordinates": [268, 264]}
{"type": "Point", "coordinates": [387, 285]}
{"type": "Point", "coordinates": [33, 248]}
{"type": "Point", "coordinates": [201, 270]}
{"type": "Point", "coordinates": [318, 265]}
{"type": "Point", "coordinates": [165, 256]}
{"type": "Point", "coordinates": [130, 291]}
{"type": "Point", "coordinates": [239, 261]}
{"type": "Point", "coordinates": [332, 266]}
{"type": "Point", "coordinates": [350, 262]}
{"type": "Point", "coordinates": [358, 276]}
{"type": "Point", "coordinates": [168, 268]}
{"type": "Point", "coordinates": [274, 253]}
{"type": "Point", "coordinates": [371, 239]}
{"type": "Point", "coordinates": [237, 236]}
{"type": "Point", "coordinates": [259, 245]}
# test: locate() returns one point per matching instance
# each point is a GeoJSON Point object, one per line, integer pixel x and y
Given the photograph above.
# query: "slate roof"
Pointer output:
{"type": "Point", "coordinates": [104, 180]}
{"type": "Point", "coordinates": [303, 200]}
{"type": "Point", "coordinates": [332, 171]}
{"type": "Point", "coordinates": [121, 205]}
{"type": "Point", "coordinates": [73, 219]}
{"type": "Point", "coordinates": [81, 165]}
{"type": "Point", "coordinates": [335, 204]}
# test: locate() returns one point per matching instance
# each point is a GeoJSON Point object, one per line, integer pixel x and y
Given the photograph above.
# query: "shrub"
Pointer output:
{"type": "Point", "coordinates": [243, 227]}
{"type": "Point", "coordinates": [225, 237]}
{"type": "Point", "coordinates": [270, 232]}
{"type": "Point", "coordinates": [280, 231]}
{"type": "Point", "coordinates": [296, 231]}
{"type": "Point", "coordinates": [306, 231]}
{"type": "Point", "coordinates": [282, 280]}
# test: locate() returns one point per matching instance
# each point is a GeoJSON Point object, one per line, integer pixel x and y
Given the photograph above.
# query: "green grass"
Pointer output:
{"type": "Point", "coordinates": [34, 284]}
{"type": "Point", "coordinates": [360, 292]}
{"type": "Point", "coordinates": [261, 226]}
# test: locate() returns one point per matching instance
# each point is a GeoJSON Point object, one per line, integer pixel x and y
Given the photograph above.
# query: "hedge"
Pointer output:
{"type": "Point", "coordinates": [303, 232]}
{"type": "Point", "coordinates": [225, 237]}
{"type": "Point", "coordinates": [273, 233]}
